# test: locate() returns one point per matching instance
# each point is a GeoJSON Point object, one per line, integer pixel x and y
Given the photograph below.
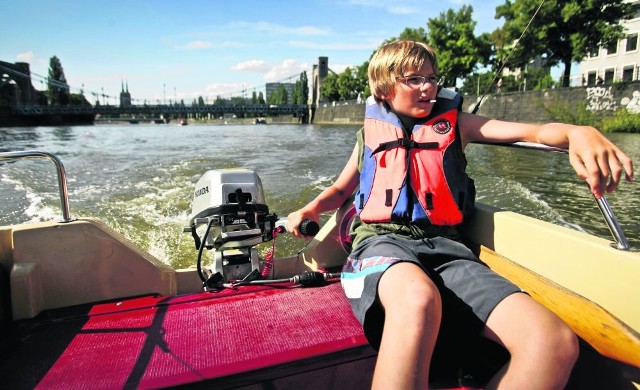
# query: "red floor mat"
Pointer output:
{"type": "Point", "coordinates": [156, 342]}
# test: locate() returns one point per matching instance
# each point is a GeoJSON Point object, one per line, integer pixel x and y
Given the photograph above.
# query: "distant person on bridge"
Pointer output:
{"type": "Point", "coordinates": [411, 282]}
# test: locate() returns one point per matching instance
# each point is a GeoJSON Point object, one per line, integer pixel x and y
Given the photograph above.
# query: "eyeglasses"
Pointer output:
{"type": "Point", "coordinates": [419, 81]}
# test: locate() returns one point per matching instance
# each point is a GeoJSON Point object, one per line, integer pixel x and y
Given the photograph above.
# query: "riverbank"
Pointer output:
{"type": "Point", "coordinates": [560, 104]}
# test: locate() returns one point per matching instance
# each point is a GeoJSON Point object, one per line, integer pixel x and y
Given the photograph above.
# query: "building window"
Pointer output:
{"type": "Point", "coordinates": [627, 73]}
{"type": "Point", "coordinates": [591, 78]}
{"type": "Point", "coordinates": [593, 53]}
{"type": "Point", "coordinates": [612, 48]}
{"type": "Point", "coordinates": [632, 42]}
{"type": "Point", "coordinates": [608, 75]}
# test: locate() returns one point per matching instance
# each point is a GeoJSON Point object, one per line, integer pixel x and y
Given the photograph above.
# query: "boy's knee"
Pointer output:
{"type": "Point", "coordinates": [567, 344]}
{"type": "Point", "coordinates": [561, 346]}
{"type": "Point", "coordinates": [417, 298]}
{"type": "Point", "coordinates": [425, 298]}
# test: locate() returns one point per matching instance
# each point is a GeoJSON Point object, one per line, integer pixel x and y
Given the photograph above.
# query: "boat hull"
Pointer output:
{"type": "Point", "coordinates": [89, 309]}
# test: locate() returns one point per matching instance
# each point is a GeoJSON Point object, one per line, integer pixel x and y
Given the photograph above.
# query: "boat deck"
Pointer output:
{"type": "Point", "coordinates": [155, 341]}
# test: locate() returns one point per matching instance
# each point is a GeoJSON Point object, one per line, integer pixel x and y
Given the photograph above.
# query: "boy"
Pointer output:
{"type": "Point", "coordinates": [419, 280]}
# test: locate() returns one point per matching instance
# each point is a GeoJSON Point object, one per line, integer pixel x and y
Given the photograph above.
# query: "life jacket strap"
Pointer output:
{"type": "Point", "coordinates": [428, 197]}
{"type": "Point", "coordinates": [405, 143]}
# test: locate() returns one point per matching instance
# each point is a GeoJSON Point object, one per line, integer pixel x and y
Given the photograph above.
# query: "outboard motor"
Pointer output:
{"type": "Point", "coordinates": [230, 217]}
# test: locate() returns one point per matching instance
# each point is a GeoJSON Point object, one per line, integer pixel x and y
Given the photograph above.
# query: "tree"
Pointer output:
{"type": "Point", "coordinates": [347, 87]}
{"type": "Point", "coordinates": [296, 94]}
{"type": "Point", "coordinates": [329, 89]}
{"type": "Point", "coordinates": [362, 80]}
{"type": "Point", "coordinates": [300, 94]}
{"type": "Point", "coordinates": [57, 87]}
{"type": "Point", "coordinates": [304, 91]}
{"type": "Point", "coordinates": [412, 34]}
{"type": "Point", "coordinates": [280, 96]}
{"type": "Point", "coordinates": [563, 31]}
{"type": "Point", "coordinates": [459, 50]}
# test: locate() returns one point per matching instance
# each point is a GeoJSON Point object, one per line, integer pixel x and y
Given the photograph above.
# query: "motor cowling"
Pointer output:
{"type": "Point", "coordinates": [230, 216]}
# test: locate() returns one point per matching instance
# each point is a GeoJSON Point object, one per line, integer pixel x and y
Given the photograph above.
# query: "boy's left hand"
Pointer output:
{"type": "Point", "coordinates": [597, 160]}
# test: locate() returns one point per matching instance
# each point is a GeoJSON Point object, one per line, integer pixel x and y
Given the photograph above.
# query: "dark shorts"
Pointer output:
{"type": "Point", "coordinates": [469, 290]}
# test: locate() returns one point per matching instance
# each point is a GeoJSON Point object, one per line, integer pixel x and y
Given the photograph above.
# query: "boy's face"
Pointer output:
{"type": "Point", "coordinates": [411, 97]}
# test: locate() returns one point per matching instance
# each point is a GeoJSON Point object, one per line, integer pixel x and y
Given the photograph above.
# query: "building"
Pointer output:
{"type": "Point", "coordinates": [272, 88]}
{"type": "Point", "coordinates": [125, 96]}
{"type": "Point", "coordinates": [619, 61]}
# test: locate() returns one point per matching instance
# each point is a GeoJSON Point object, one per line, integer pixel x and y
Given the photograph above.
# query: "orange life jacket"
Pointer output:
{"type": "Point", "coordinates": [414, 178]}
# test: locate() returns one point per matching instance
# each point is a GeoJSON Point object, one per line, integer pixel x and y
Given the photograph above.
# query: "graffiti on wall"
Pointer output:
{"type": "Point", "coordinates": [632, 104]}
{"type": "Point", "coordinates": [600, 99]}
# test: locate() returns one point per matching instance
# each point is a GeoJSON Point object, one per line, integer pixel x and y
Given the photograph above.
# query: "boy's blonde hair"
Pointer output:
{"type": "Point", "coordinates": [392, 60]}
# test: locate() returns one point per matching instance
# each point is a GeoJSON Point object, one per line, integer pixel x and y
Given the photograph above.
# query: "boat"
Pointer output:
{"type": "Point", "coordinates": [183, 122]}
{"type": "Point", "coordinates": [83, 307]}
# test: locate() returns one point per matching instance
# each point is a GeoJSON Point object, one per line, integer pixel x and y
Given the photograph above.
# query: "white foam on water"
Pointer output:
{"type": "Point", "coordinates": [531, 202]}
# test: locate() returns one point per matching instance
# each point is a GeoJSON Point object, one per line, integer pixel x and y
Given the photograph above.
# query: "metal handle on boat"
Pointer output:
{"type": "Point", "coordinates": [612, 222]}
{"type": "Point", "coordinates": [62, 178]}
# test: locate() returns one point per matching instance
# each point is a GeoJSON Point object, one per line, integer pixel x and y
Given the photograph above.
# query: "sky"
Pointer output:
{"type": "Point", "coordinates": [165, 51]}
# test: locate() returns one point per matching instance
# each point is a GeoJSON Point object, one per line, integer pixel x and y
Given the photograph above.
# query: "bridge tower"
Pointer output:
{"type": "Point", "coordinates": [18, 91]}
{"type": "Point", "coordinates": [320, 71]}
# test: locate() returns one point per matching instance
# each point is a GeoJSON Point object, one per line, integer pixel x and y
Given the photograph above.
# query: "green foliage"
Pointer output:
{"type": "Point", "coordinates": [562, 32]}
{"type": "Point", "coordinates": [413, 34]}
{"type": "Point", "coordinates": [579, 115]}
{"type": "Point", "coordinates": [346, 85]}
{"type": "Point", "coordinates": [300, 94]}
{"type": "Point", "coordinates": [459, 50]}
{"type": "Point", "coordinates": [622, 121]}
{"type": "Point", "coordinates": [329, 89]}
{"type": "Point", "coordinates": [78, 99]}
{"type": "Point", "coordinates": [57, 87]}
{"type": "Point", "coordinates": [477, 84]}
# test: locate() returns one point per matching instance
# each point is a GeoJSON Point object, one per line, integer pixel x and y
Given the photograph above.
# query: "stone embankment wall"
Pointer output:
{"type": "Point", "coordinates": [529, 106]}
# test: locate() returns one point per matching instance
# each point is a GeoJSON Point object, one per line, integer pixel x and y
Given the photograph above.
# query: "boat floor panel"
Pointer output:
{"type": "Point", "coordinates": [155, 341]}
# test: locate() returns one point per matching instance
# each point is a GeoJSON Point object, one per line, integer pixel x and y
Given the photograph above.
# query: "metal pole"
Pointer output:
{"type": "Point", "coordinates": [621, 241]}
{"type": "Point", "coordinates": [62, 178]}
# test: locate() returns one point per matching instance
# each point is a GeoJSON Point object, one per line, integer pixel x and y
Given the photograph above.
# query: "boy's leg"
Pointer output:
{"type": "Point", "coordinates": [543, 348]}
{"type": "Point", "coordinates": [413, 310]}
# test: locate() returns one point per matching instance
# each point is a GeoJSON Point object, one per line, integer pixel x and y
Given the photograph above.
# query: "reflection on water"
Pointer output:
{"type": "Point", "coordinates": [24, 136]}
{"type": "Point", "coordinates": [139, 179]}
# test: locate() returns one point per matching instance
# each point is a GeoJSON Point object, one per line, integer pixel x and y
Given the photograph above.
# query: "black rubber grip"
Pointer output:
{"type": "Point", "coordinates": [309, 227]}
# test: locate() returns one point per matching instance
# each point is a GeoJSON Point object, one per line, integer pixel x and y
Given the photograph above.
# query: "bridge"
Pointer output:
{"type": "Point", "coordinates": [154, 111]}
{"type": "Point", "coordinates": [21, 104]}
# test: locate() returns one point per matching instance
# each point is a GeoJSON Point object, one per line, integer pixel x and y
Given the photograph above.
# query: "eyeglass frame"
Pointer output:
{"type": "Point", "coordinates": [434, 80]}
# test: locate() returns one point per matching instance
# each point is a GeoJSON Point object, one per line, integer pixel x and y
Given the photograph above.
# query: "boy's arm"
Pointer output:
{"type": "Point", "coordinates": [594, 158]}
{"type": "Point", "coordinates": [331, 198]}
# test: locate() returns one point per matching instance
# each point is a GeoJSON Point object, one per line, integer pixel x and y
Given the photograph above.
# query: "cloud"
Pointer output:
{"type": "Point", "coordinates": [401, 10]}
{"type": "Point", "coordinates": [198, 45]}
{"type": "Point", "coordinates": [251, 66]}
{"type": "Point", "coordinates": [27, 56]}
{"type": "Point", "coordinates": [279, 29]}
{"type": "Point", "coordinates": [370, 45]}
{"type": "Point", "coordinates": [225, 90]}
{"type": "Point", "coordinates": [411, 8]}
{"type": "Point", "coordinates": [288, 68]}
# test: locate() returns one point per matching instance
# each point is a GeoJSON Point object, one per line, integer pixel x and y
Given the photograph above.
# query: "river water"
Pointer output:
{"type": "Point", "coordinates": [139, 179]}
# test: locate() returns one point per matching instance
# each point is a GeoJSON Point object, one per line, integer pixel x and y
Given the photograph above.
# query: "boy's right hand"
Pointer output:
{"type": "Point", "coordinates": [295, 219]}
